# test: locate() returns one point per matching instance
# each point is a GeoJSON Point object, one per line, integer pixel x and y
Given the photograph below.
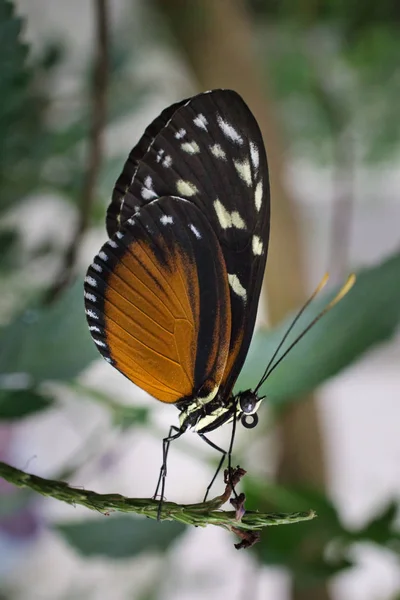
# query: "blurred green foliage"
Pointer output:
{"type": "Point", "coordinates": [352, 16]}
{"type": "Point", "coordinates": [28, 344]}
{"type": "Point", "coordinates": [15, 404]}
{"type": "Point", "coordinates": [331, 63]}
{"type": "Point", "coordinates": [120, 536]}
{"type": "Point", "coordinates": [317, 550]}
{"type": "Point", "coordinates": [369, 314]}
{"type": "Point", "coordinates": [22, 111]}
{"type": "Point", "coordinates": [123, 415]}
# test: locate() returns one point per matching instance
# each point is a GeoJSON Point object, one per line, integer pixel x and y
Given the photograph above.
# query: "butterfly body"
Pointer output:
{"type": "Point", "coordinates": [171, 298]}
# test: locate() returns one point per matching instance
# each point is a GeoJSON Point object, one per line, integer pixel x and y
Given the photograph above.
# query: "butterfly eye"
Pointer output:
{"type": "Point", "coordinates": [248, 402]}
{"type": "Point", "coordinates": [249, 421]}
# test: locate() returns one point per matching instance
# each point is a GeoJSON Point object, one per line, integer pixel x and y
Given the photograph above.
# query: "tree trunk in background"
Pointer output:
{"type": "Point", "coordinates": [217, 39]}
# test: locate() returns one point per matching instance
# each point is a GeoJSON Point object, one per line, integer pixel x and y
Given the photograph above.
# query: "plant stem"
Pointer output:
{"type": "Point", "coordinates": [202, 514]}
{"type": "Point", "coordinates": [95, 151]}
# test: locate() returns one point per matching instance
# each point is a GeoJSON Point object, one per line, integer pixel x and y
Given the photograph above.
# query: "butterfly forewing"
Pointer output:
{"type": "Point", "coordinates": [209, 151]}
{"type": "Point", "coordinates": [128, 172]}
{"type": "Point", "coordinates": [157, 301]}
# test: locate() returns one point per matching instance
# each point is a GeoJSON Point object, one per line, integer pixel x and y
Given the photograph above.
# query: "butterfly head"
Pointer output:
{"type": "Point", "coordinates": [206, 417]}
{"type": "Point", "coordinates": [247, 405]}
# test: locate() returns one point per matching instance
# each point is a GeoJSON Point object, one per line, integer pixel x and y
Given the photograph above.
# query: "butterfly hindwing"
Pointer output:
{"type": "Point", "coordinates": [157, 301]}
{"type": "Point", "coordinates": [209, 151]}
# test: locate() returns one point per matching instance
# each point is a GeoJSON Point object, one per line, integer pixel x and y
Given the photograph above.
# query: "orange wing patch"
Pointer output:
{"type": "Point", "coordinates": [157, 300]}
{"type": "Point", "coordinates": [151, 318]}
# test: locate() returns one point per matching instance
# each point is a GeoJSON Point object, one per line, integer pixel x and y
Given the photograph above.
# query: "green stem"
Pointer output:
{"type": "Point", "coordinates": [202, 514]}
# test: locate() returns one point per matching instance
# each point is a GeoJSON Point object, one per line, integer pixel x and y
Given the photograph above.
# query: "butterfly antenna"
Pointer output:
{"type": "Point", "coordinates": [320, 286]}
{"type": "Point", "coordinates": [342, 292]}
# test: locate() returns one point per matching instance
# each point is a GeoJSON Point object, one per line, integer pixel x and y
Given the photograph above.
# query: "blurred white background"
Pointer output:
{"type": "Point", "coordinates": [359, 410]}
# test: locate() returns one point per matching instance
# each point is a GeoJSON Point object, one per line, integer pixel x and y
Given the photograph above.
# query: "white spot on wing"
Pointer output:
{"type": "Point", "coordinates": [180, 134]}
{"type": "Point", "coordinates": [100, 343]}
{"type": "Point", "coordinates": [201, 121]}
{"type": "Point", "coordinates": [103, 256]}
{"type": "Point", "coordinates": [91, 281]}
{"type": "Point", "coordinates": [229, 131]}
{"type": "Point", "coordinates": [190, 147]}
{"type": "Point", "coordinates": [244, 171]}
{"type": "Point", "coordinates": [119, 235]}
{"type": "Point", "coordinates": [186, 188]}
{"type": "Point", "coordinates": [165, 219]}
{"type": "Point", "coordinates": [97, 267]}
{"type": "Point", "coordinates": [254, 154]}
{"type": "Point", "coordinates": [95, 328]}
{"type": "Point", "coordinates": [258, 194]}
{"type": "Point", "coordinates": [217, 151]}
{"type": "Point", "coordinates": [159, 155]}
{"type": "Point", "coordinates": [237, 286]}
{"type": "Point", "coordinates": [222, 214]}
{"type": "Point", "coordinates": [92, 314]}
{"type": "Point", "coordinates": [147, 192]}
{"type": "Point", "coordinates": [237, 220]}
{"type": "Point", "coordinates": [195, 231]}
{"type": "Point", "coordinates": [227, 219]}
{"type": "Point", "coordinates": [90, 297]}
{"type": "Point", "coordinates": [167, 162]}
{"type": "Point", "coordinates": [256, 245]}
{"type": "Point", "coordinates": [112, 244]}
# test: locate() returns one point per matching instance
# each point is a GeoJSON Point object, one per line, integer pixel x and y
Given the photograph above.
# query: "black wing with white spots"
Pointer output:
{"type": "Point", "coordinates": [209, 151]}
{"type": "Point", "coordinates": [128, 172]}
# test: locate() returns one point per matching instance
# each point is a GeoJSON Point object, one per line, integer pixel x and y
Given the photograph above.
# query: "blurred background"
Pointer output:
{"type": "Point", "coordinates": [79, 82]}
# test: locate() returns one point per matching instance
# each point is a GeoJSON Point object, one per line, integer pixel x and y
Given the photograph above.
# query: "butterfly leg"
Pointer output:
{"type": "Point", "coordinates": [163, 471]}
{"type": "Point", "coordinates": [221, 462]}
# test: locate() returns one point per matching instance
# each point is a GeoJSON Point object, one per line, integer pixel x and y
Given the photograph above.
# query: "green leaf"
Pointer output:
{"type": "Point", "coordinates": [128, 416]}
{"type": "Point", "coordinates": [21, 113]}
{"type": "Point", "coordinates": [120, 537]}
{"type": "Point", "coordinates": [368, 315]}
{"type": "Point", "coordinates": [8, 249]}
{"type": "Point", "coordinates": [381, 529]}
{"type": "Point", "coordinates": [16, 404]}
{"type": "Point", "coordinates": [271, 496]}
{"type": "Point", "coordinates": [123, 415]}
{"type": "Point", "coordinates": [309, 86]}
{"type": "Point", "coordinates": [318, 549]}
{"type": "Point", "coordinates": [300, 547]}
{"type": "Point", "coordinates": [321, 569]}
{"type": "Point", "coordinates": [51, 342]}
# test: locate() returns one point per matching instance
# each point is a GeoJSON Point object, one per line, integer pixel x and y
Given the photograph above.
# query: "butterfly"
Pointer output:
{"type": "Point", "coordinates": [171, 298]}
